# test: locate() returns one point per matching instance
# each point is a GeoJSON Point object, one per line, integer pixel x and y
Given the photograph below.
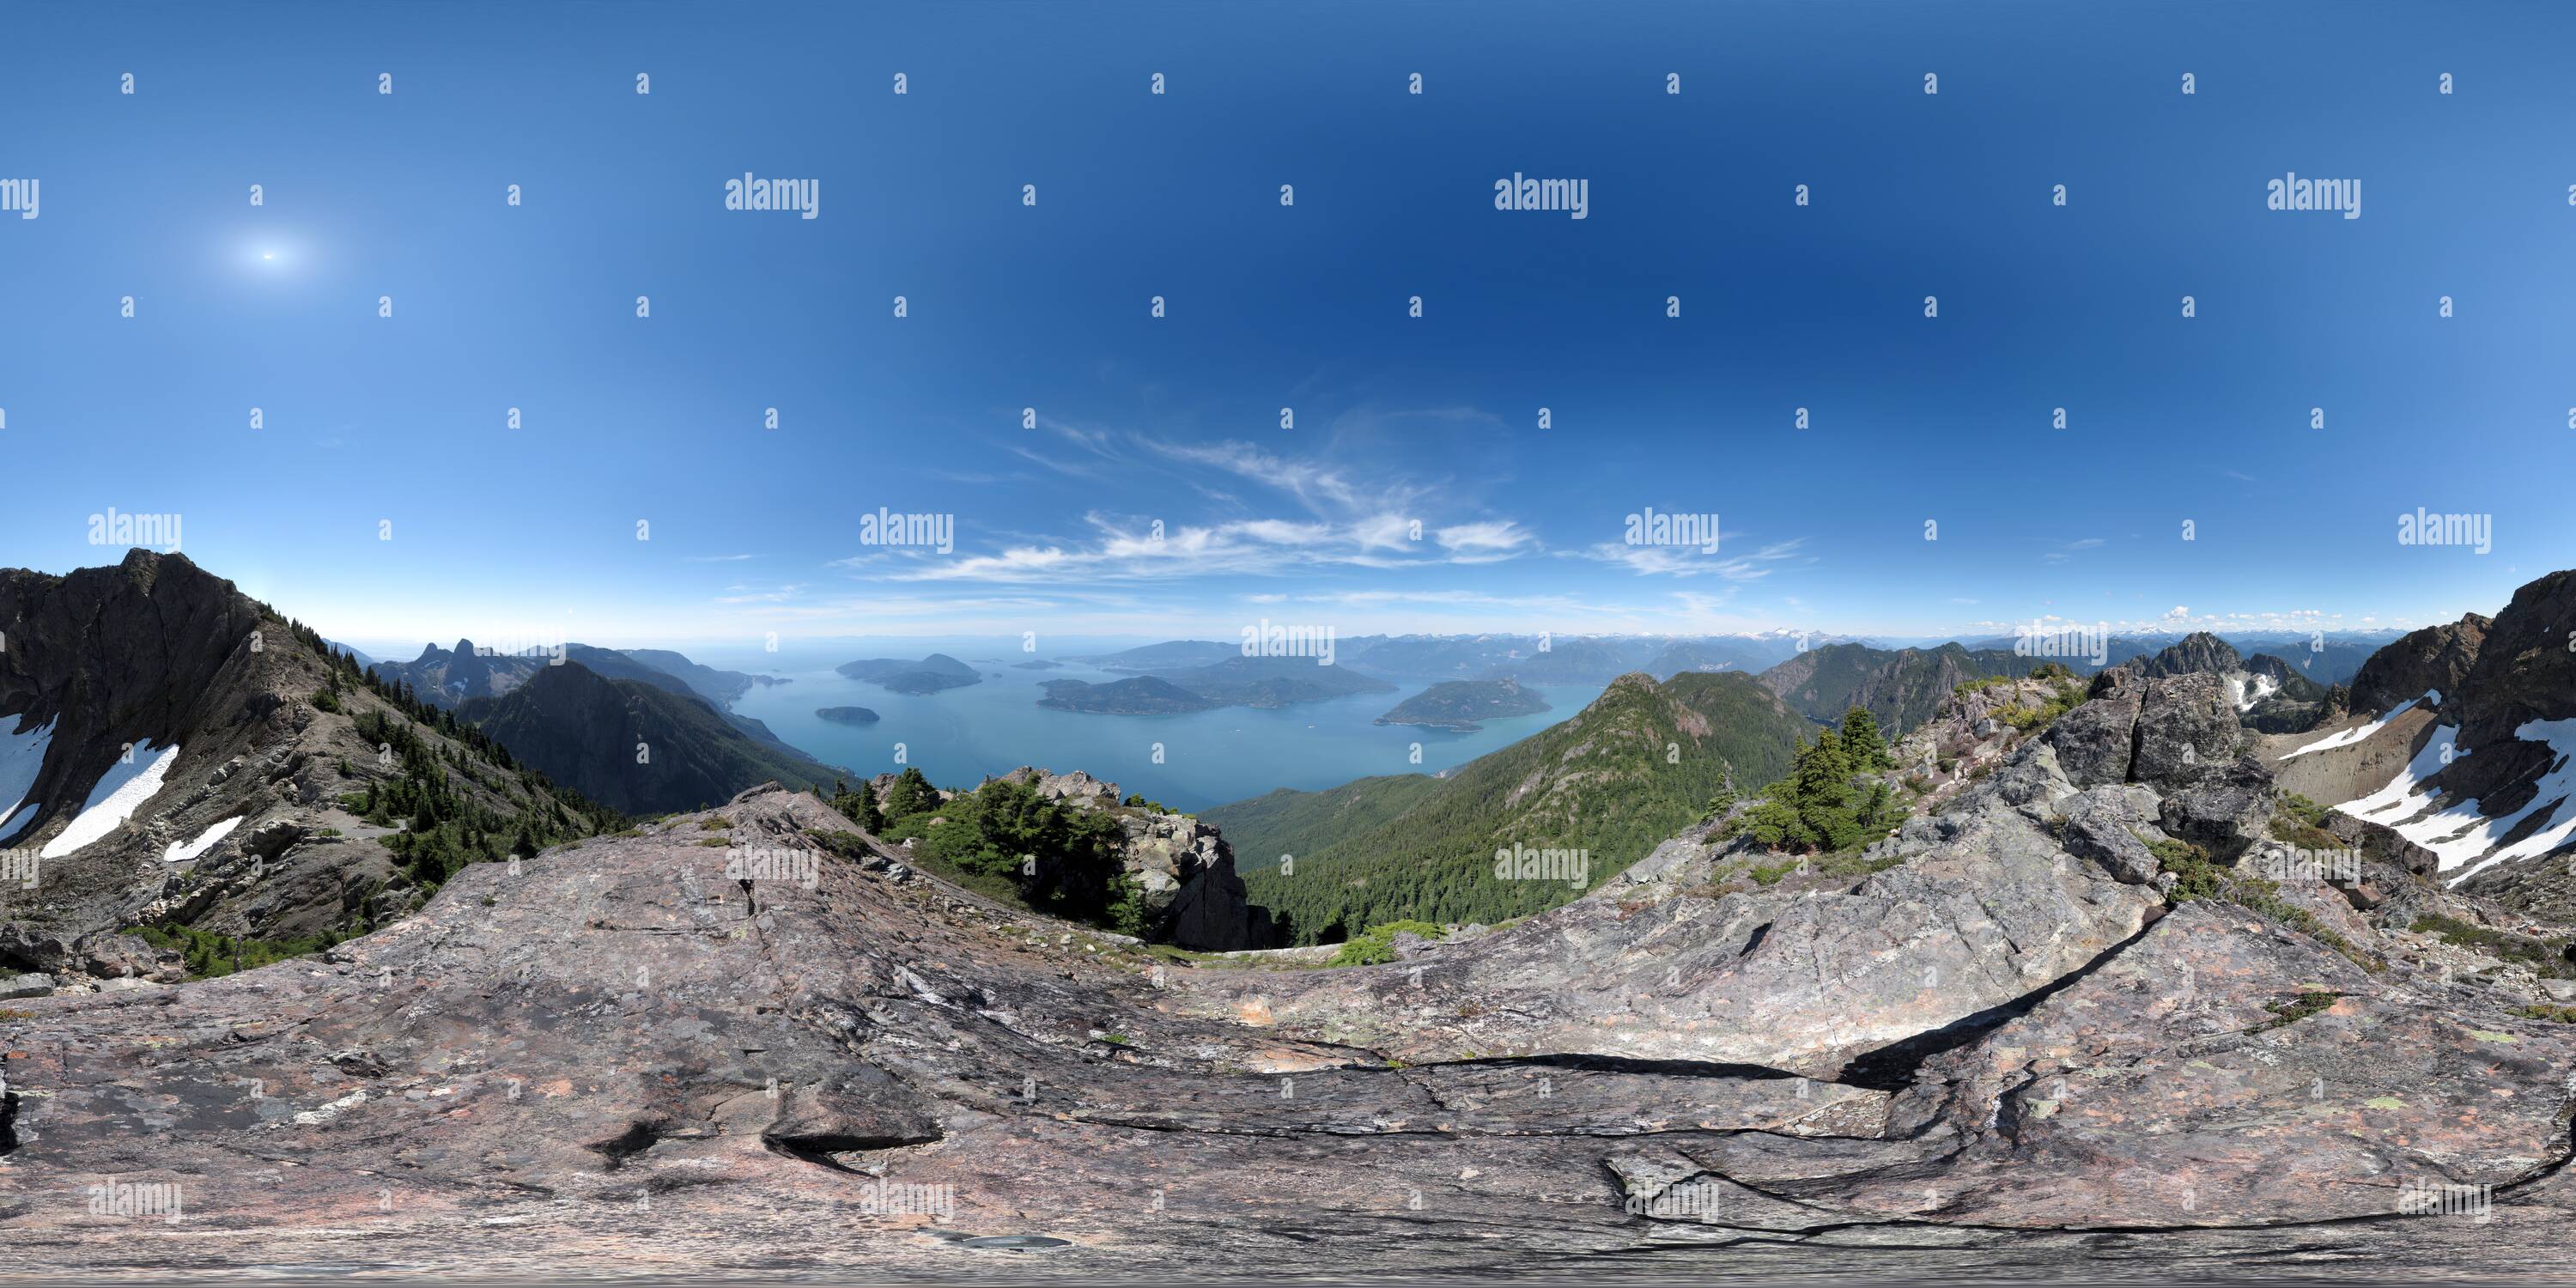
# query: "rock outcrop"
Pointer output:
{"type": "Point", "coordinates": [1995, 1048]}
{"type": "Point", "coordinates": [2468, 771]}
{"type": "Point", "coordinates": [1998, 1036]}
{"type": "Point", "coordinates": [1193, 897]}
{"type": "Point", "coordinates": [2434, 659]}
{"type": "Point", "coordinates": [193, 718]}
{"type": "Point", "coordinates": [2197, 653]}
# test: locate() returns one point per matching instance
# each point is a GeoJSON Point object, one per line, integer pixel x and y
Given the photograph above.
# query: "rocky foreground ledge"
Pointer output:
{"type": "Point", "coordinates": [1995, 1057]}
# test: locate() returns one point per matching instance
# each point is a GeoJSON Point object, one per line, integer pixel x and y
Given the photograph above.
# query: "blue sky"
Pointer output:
{"type": "Point", "coordinates": [529, 531]}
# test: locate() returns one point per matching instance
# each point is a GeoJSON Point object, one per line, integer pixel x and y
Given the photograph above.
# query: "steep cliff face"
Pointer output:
{"type": "Point", "coordinates": [166, 744]}
{"type": "Point", "coordinates": [2462, 754]}
{"type": "Point", "coordinates": [123, 663]}
{"type": "Point", "coordinates": [2434, 659]}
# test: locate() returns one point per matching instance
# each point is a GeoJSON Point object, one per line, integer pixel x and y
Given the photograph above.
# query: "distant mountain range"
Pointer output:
{"type": "Point", "coordinates": [2327, 659]}
{"type": "Point", "coordinates": [1900, 688]}
{"type": "Point", "coordinates": [444, 677]}
{"type": "Point", "coordinates": [455, 677]}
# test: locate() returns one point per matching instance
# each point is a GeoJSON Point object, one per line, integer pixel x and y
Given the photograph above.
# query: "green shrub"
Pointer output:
{"type": "Point", "coordinates": [2196, 877]}
{"type": "Point", "coordinates": [2542, 956]}
{"type": "Point", "coordinates": [1831, 801]}
{"type": "Point", "coordinates": [1376, 945]}
{"type": "Point", "coordinates": [2291, 1010]}
{"type": "Point", "coordinates": [2302, 822]}
{"type": "Point", "coordinates": [1006, 841]}
{"type": "Point", "coordinates": [211, 955]}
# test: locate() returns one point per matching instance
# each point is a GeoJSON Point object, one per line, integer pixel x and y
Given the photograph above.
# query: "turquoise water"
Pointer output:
{"type": "Point", "coordinates": [1205, 758]}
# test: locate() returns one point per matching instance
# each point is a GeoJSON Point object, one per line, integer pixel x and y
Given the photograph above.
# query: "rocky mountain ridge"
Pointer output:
{"type": "Point", "coordinates": [640, 748]}
{"type": "Point", "coordinates": [191, 757]}
{"type": "Point", "coordinates": [2008, 1043]}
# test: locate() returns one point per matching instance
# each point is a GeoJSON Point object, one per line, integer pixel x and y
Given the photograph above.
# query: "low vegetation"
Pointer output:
{"type": "Point", "coordinates": [2198, 877]}
{"type": "Point", "coordinates": [2067, 691]}
{"type": "Point", "coordinates": [211, 955]}
{"type": "Point", "coordinates": [2302, 822]}
{"type": "Point", "coordinates": [2544, 957]}
{"type": "Point", "coordinates": [1376, 945]}
{"type": "Point", "coordinates": [2291, 1010]}
{"type": "Point", "coordinates": [1007, 842]}
{"type": "Point", "coordinates": [1833, 799]}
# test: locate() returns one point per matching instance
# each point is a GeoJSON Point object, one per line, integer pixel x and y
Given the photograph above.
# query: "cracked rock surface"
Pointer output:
{"type": "Point", "coordinates": [1993, 1056]}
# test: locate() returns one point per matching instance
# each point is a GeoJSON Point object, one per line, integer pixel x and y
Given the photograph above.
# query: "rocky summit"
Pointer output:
{"type": "Point", "coordinates": [2072, 1017]}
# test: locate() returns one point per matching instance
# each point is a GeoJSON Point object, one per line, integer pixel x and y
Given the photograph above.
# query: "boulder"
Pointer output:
{"type": "Point", "coordinates": [13, 988]}
{"type": "Point", "coordinates": [2104, 824]}
{"type": "Point", "coordinates": [2225, 810]}
{"type": "Point", "coordinates": [2186, 729]}
{"type": "Point", "coordinates": [273, 837]}
{"type": "Point", "coordinates": [2096, 741]}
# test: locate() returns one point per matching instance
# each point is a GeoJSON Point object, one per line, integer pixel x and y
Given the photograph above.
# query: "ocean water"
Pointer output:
{"type": "Point", "coordinates": [1188, 762]}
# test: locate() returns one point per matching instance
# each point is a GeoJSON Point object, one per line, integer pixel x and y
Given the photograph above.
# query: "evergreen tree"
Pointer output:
{"type": "Point", "coordinates": [911, 794]}
{"type": "Point", "coordinates": [1823, 775]}
{"type": "Point", "coordinates": [859, 807]}
{"type": "Point", "coordinates": [1723, 799]}
{"type": "Point", "coordinates": [1863, 744]}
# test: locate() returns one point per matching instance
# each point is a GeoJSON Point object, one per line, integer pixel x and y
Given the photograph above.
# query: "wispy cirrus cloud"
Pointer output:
{"type": "Point", "coordinates": [1343, 517]}
{"type": "Point", "coordinates": [1686, 561]}
{"type": "Point", "coordinates": [1141, 550]}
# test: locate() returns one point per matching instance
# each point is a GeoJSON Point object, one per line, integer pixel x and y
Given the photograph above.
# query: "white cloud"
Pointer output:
{"type": "Point", "coordinates": [1683, 561]}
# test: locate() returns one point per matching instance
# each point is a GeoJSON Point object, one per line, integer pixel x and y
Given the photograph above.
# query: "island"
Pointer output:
{"type": "Point", "coordinates": [1263, 682]}
{"type": "Point", "coordinates": [1039, 665]}
{"type": "Point", "coordinates": [929, 675]}
{"type": "Point", "coordinates": [846, 715]}
{"type": "Point", "coordinates": [1461, 706]}
{"type": "Point", "coordinates": [1142, 696]}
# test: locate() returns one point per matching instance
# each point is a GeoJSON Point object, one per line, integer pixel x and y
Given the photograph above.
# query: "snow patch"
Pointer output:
{"type": "Point", "coordinates": [2350, 736]}
{"type": "Point", "coordinates": [181, 852]}
{"type": "Point", "coordinates": [22, 757]}
{"type": "Point", "coordinates": [120, 791]}
{"type": "Point", "coordinates": [2263, 686]}
{"type": "Point", "coordinates": [2466, 841]}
